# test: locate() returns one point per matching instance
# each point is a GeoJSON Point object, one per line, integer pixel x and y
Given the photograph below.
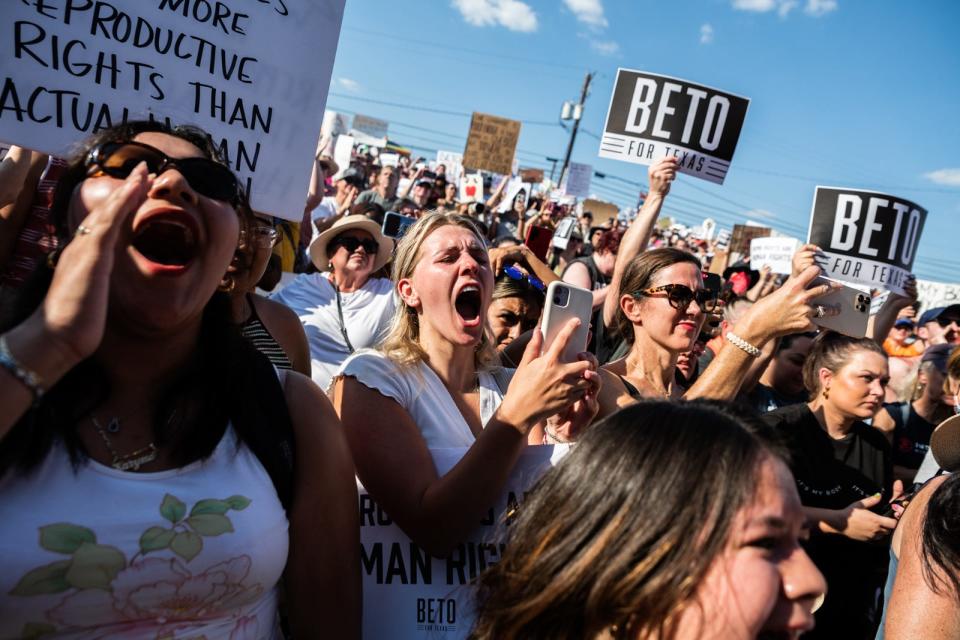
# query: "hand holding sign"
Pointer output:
{"type": "Point", "coordinates": [787, 310]}
{"type": "Point", "coordinates": [661, 174]}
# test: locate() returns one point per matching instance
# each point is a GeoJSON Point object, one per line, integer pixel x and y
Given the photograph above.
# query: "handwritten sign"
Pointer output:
{"type": "Point", "coordinates": [868, 238]}
{"type": "Point", "coordinates": [576, 182]}
{"type": "Point", "coordinates": [937, 294]}
{"type": "Point", "coordinates": [254, 75]}
{"type": "Point", "coordinates": [407, 594]}
{"type": "Point", "coordinates": [491, 144]}
{"type": "Point", "coordinates": [471, 188]}
{"type": "Point", "coordinates": [776, 253]}
{"type": "Point", "coordinates": [389, 159]}
{"type": "Point", "coordinates": [601, 210]}
{"type": "Point", "coordinates": [370, 126]}
{"type": "Point", "coordinates": [743, 235]}
{"type": "Point", "coordinates": [531, 176]}
{"type": "Point", "coordinates": [653, 116]}
{"type": "Point", "coordinates": [453, 164]}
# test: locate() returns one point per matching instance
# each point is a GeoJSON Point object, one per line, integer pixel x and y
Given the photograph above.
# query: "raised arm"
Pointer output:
{"type": "Point", "coordinates": [634, 241]}
{"type": "Point", "coordinates": [880, 324]}
{"type": "Point", "coordinates": [501, 256]}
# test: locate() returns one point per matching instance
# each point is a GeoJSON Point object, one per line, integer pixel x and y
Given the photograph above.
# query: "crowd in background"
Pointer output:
{"type": "Point", "coordinates": [738, 470]}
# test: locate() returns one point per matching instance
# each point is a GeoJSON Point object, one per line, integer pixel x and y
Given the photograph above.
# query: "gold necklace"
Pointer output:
{"type": "Point", "coordinates": [131, 461]}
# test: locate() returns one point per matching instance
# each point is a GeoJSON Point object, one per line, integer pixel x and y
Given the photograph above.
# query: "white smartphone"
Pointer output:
{"type": "Point", "coordinates": [565, 301]}
{"type": "Point", "coordinates": [851, 308]}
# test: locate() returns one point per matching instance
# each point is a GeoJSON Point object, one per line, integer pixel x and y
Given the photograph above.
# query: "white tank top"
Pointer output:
{"type": "Point", "coordinates": [184, 553]}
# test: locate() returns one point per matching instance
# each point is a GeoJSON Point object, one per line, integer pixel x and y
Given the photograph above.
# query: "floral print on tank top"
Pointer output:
{"type": "Point", "coordinates": [161, 592]}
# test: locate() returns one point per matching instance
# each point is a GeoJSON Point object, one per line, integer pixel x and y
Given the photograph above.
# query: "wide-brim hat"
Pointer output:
{"type": "Point", "coordinates": [318, 248]}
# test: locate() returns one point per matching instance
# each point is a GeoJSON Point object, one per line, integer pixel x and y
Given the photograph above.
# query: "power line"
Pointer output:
{"type": "Point", "coordinates": [421, 108]}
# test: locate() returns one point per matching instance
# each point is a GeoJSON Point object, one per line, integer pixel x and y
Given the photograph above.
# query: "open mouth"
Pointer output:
{"type": "Point", "coordinates": [166, 241]}
{"type": "Point", "coordinates": [468, 304]}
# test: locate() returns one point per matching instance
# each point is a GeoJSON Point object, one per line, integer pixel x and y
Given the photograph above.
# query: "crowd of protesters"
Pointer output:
{"type": "Point", "coordinates": [192, 392]}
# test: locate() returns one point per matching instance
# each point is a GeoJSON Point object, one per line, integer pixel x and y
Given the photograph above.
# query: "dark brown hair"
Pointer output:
{"type": "Point", "coordinates": [619, 535]}
{"type": "Point", "coordinates": [832, 351]}
{"type": "Point", "coordinates": [639, 275]}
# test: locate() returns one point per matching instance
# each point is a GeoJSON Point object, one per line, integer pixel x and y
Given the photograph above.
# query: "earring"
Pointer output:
{"type": "Point", "coordinates": [228, 284]}
{"type": "Point", "coordinates": [826, 393]}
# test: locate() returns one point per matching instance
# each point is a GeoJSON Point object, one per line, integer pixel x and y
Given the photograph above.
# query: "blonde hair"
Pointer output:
{"type": "Point", "coordinates": [402, 343]}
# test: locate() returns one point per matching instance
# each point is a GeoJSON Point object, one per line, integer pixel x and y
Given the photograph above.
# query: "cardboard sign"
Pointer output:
{"type": "Point", "coordinates": [452, 163]}
{"type": "Point", "coordinates": [531, 176]}
{"type": "Point", "coordinates": [742, 236]}
{"type": "Point", "coordinates": [471, 188]}
{"type": "Point", "coordinates": [576, 182]}
{"type": "Point", "coordinates": [653, 116]}
{"type": "Point", "coordinates": [776, 253]}
{"type": "Point", "coordinates": [409, 595]}
{"type": "Point", "coordinates": [491, 144]}
{"type": "Point", "coordinates": [370, 126]}
{"type": "Point", "coordinates": [254, 75]}
{"type": "Point", "coordinates": [869, 238]}
{"type": "Point", "coordinates": [601, 210]}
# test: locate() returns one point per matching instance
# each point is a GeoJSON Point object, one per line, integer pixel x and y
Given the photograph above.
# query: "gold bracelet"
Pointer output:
{"type": "Point", "coordinates": [27, 377]}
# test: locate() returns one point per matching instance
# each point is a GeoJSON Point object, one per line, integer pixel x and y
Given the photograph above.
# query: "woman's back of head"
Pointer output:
{"type": "Point", "coordinates": [617, 537]}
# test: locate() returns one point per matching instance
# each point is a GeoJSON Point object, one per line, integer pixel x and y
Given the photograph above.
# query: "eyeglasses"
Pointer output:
{"type": "Point", "coordinates": [680, 296]}
{"type": "Point", "coordinates": [261, 236]}
{"type": "Point", "coordinates": [352, 244]}
{"type": "Point", "coordinates": [206, 177]}
{"type": "Point", "coordinates": [516, 274]}
{"type": "Point", "coordinates": [946, 322]}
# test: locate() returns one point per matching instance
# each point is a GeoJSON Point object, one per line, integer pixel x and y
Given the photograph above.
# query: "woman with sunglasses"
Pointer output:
{"type": "Point", "coordinates": [343, 307]}
{"type": "Point", "coordinates": [518, 295]}
{"type": "Point", "coordinates": [148, 483]}
{"type": "Point", "coordinates": [273, 328]}
{"type": "Point", "coordinates": [662, 308]}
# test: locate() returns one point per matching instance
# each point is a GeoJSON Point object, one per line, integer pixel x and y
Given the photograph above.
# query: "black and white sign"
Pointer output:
{"type": "Point", "coordinates": [254, 75]}
{"type": "Point", "coordinates": [653, 116]}
{"type": "Point", "coordinates": [869, 238]}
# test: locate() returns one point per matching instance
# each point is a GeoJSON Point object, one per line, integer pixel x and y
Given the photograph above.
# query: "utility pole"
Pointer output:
{"type": "Point", "coordinates": [577, 114]}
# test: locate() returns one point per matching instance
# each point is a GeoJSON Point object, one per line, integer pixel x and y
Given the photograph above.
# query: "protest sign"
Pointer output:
{"type": "Point", "coordinates": [576, 182]}
{"type": "Point", "coordinates": [723, 239]}
{"type": "Point", "coordinates": [334, 123]}
{"type": "Point", "coordinates": [532, 176]}
{"type": "Point", "coordinates": [370, 126]}
{"type": "Point", "coordinates": [471, 188]}
{"type": "Point", "coordinates": [601, 210]}
{"type": "Point", "coordinates": [776, 253]}
{"type": "Point", "coordinates": [741, 238]}
{"type": "Point", "coordinates": [719, 263]}
{"type": "Point", "coordinates": [407, 594]}
{"type": "Point", "coordinates": [868, 238]}
{"type": "Point", "coordinates": [708, 228]}
{"type": "Point", "coordinates": [514, 187]}
{"type": "Point", "coordinates": [937, 294]}
{"type": "Point", "coordinates": [452, 163]}
{"type": "Point", "coordinates": [254, 75]}
{"type": "Point", "coordinates": [343, 151]}
{"type": "Point", "coordinates": [653, 116]}
{"type": "Point", "coordinates": [389, 159]}
{"type": "Point", "coordinates": [491, 144]}
{"type": "Point", "coordinates": [565, 228]}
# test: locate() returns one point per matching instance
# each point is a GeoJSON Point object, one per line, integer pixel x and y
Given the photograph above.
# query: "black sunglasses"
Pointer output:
{"type": "Point", "coordinates": [945, 321]}
{"type": "Point", "coordinates": [206, 177]}
{"type": "Point", "coordinates": [352, 244]}
{"type": "Point", "coordinates": [680, 296]}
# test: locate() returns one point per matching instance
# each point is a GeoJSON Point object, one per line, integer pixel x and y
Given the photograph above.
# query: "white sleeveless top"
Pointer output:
{"type": "Point", "coordinates": [101, 553]}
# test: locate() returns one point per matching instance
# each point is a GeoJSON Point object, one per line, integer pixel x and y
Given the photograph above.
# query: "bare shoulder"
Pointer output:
{"type": "Point", "coordinates": [311, 411]}
{"type": "Point", "coordinates": [613, 393]}
{"type": "Point", "coordinates": [276, 315]}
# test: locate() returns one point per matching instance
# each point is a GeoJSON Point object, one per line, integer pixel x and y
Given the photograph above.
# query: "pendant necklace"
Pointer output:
{"type": "Point", "coordinates": [131, 461]}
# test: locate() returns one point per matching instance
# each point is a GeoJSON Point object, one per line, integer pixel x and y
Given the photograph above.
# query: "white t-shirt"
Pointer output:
{"type": "Point", "coordinates": [366, 315]}
{"type": "Point", "coordinates": [326, 208]}
{"type": "Point", "coordinates": [420, 391]}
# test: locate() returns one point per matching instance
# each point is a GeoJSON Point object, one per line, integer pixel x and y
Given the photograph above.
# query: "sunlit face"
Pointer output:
{"type": "Point", "coordinates": [511, 317]}
{"type": "Point", "coordinates": [386, 178]}
{"type": "Point", "coordinates": [673, 329]}
{"type": "Point", "coordinates": [253, 257]}
{"type": "Point", "coordinates": [174, 249]}
{"type": "Point", "coordinates": [763, 582]}
{"type": "Point", "coordinates": [687, 361]}
{"type": "Point", "coordinates": [899, 334]}
{"type": "Point", "coordinates": [857, 389]}
{"type": "Point", "coordinates": [787, 366]}
{"type": "Point", "coordinates": [357, 263]}
{"type": "Point", "coordinates": [450, 192]}
{"type": "Point", "coordinates": [450, 287]}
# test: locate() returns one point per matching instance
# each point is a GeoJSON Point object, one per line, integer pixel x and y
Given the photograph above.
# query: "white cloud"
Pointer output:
{"type": "Point", "coordinates": [589, 12]}
{"type": "Point", "coordinates": [605, 47]}
{"type": "Point", "coordinates": [706, 34]}
{"type": "Point", "coordinates": [946, 177]}
{"type": "Point", "coordinates": [348, 84]}
{"type": "Point", "coordinates": [817, 8]}
{"type": "Point", "coordinates": [512, 14]}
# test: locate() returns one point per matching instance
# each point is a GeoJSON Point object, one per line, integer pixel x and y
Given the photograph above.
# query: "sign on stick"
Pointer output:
{"type": "Point", "coordinates": [869, 238]}
{"type": "Point", "coordinates": [491, 144]}
{"type": "Point", "coordinates": [653, 116]}
{"type": "Point", "coordinates": [254, 75]}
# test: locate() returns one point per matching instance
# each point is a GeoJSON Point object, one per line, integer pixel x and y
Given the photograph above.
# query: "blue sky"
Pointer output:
{"type": "Point", "coordinates": [843, 93]}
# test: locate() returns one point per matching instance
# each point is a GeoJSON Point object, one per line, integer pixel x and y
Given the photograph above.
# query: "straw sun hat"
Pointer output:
{"type": "Point", "coordinates": [318, 248]}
